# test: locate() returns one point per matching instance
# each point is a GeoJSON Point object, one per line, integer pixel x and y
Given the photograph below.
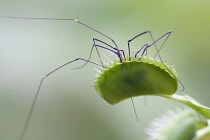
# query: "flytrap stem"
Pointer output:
{"type": "Point", "coordinates": [203, 110]}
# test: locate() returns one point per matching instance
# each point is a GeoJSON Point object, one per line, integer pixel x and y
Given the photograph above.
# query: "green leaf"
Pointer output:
{"type": "Point", "coordinates": [135, 78]}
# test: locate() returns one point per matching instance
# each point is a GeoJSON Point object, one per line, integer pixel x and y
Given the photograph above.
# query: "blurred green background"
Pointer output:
{"type": "Point", "coordinates": [68, 107]}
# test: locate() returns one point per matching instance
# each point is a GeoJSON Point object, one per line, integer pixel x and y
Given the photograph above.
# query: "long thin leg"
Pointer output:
{"type": "Point", "coordinates": [95, 39]}
{"type": "Point", "coordinates": [129, 90]}
{"type": "Point", "coordinates": [158, 51]}
{"type": "Point", "coordinates": [129, 41]}
{"type": "Point", "coordinates": [117, 53]}
{"type": "Point", "coordinates": [145, 45]}
{"type": "Point", "coordinates": [129, 50]}
{"type": "Point", "coordinates": [28, 18]}
{"type": "Point", "coordinates": [168, 34]}
{"type": "Point", "coordinates": [37, 93]}
{"type": "Point", "coordinates": [112, 48]}
{"type": "Point", "coordinates": [95, 45]}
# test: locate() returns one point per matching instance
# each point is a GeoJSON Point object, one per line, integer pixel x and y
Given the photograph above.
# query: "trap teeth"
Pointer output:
{"type": "Point", "coordinates": [106, 58]}
{"type": "Point", "coordinates": [157, 62]}
{"type": "Point", "coordinates": [144, 60]}
{"type": "Point", "coordinates": [151, 60]}
{"type": "Point", "coordinates": [98, 71]}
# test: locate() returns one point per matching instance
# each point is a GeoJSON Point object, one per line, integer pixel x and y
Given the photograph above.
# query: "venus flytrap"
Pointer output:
{"type": "Point", "coordinates": [135, 77]}
{"type": "Point", "coordinates": [129, 76]}
{"type": "Point", "coordinates": [142, 76]}
{"type": "Point", "coordinates": [179, 125]}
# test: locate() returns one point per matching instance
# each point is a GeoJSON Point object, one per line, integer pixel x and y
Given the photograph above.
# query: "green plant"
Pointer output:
{"type": "Point", "coordinates": [180, 124]}
{"type": "Point", "coordinates": [140, 75]}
